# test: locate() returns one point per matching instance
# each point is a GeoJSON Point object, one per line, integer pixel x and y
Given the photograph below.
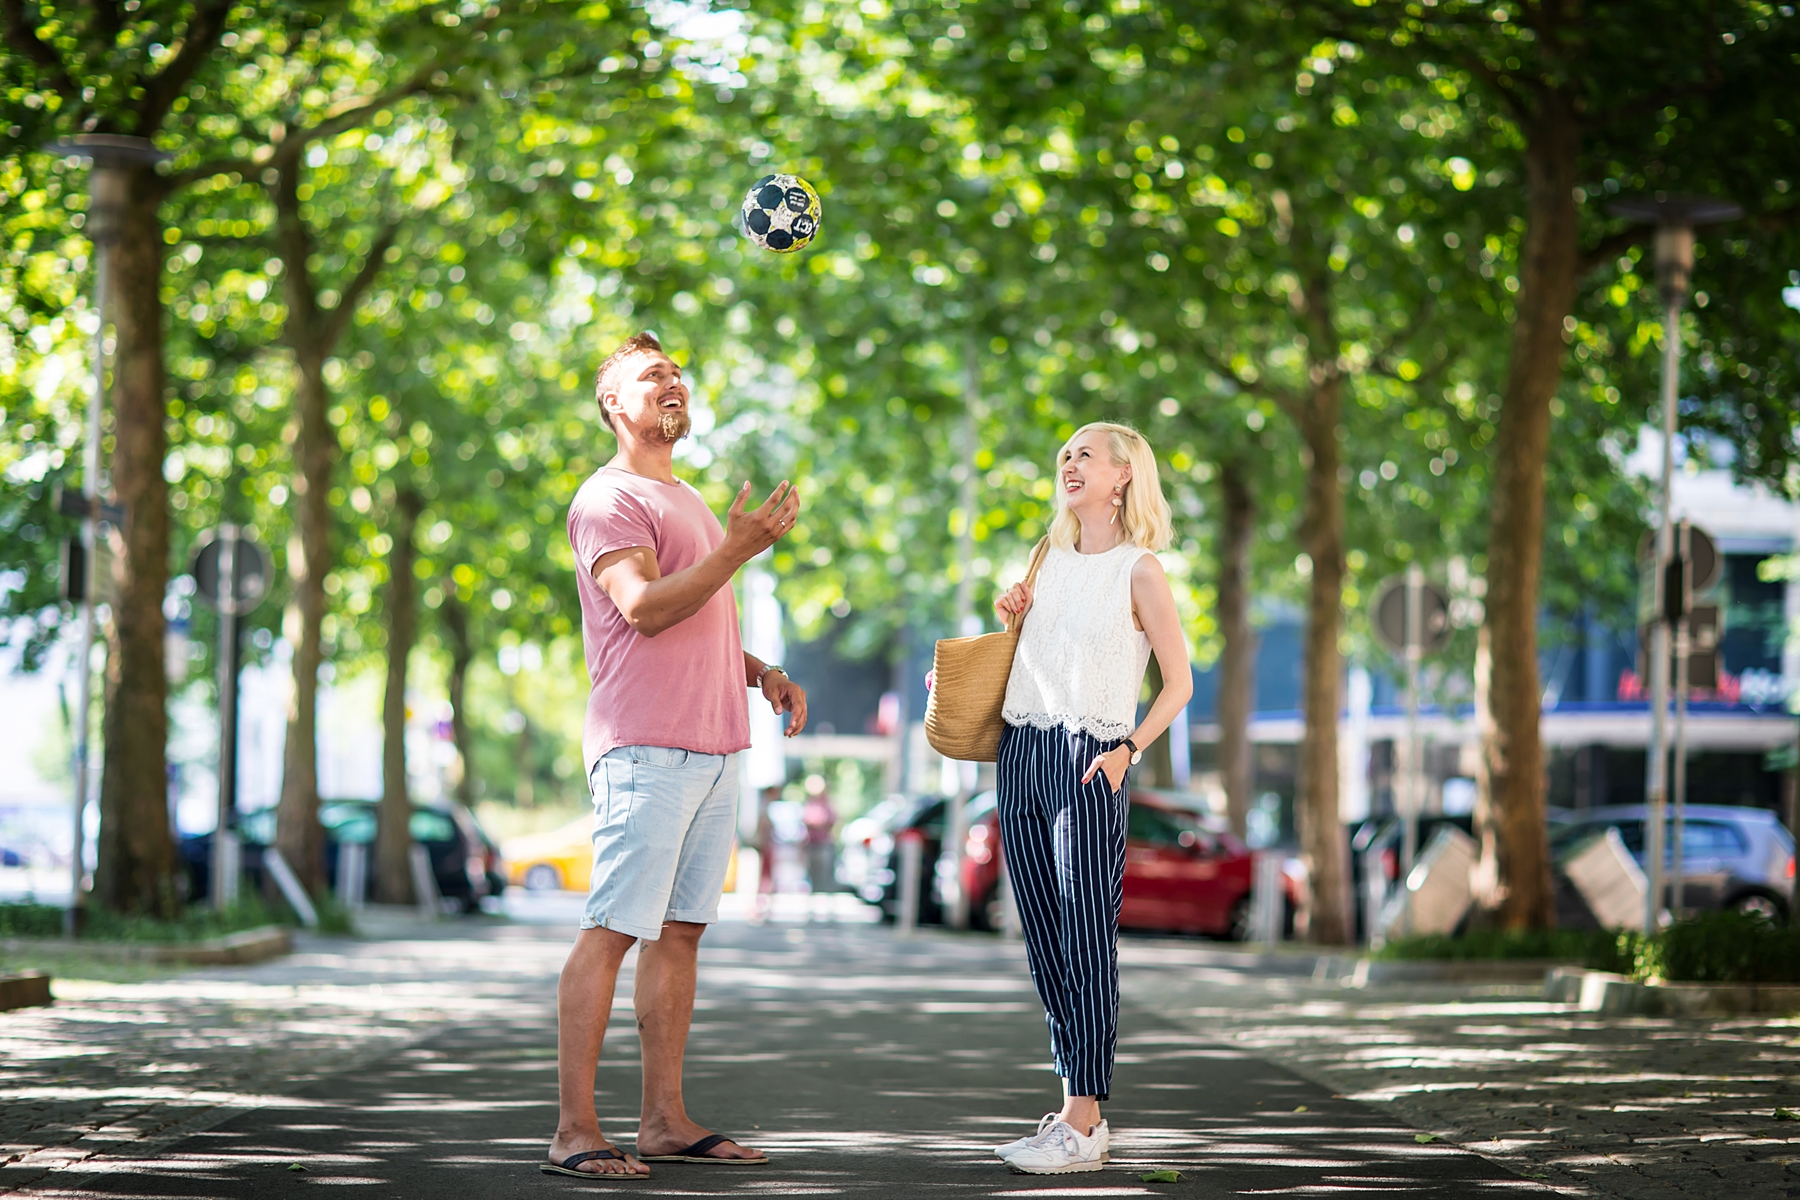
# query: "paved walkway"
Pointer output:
{"type": "Point", "coordinates": [864, 1063]}
{"type": "Point", "coordinates": [868, 1064]}
{"type": "Point", "coordinates": [1643, 1108]}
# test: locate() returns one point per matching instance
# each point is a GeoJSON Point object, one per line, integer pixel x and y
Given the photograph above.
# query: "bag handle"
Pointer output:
{"type": "Point", "coordinates": [1031, 573]}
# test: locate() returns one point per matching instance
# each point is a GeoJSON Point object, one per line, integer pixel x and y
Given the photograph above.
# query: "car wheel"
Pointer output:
{"type": "Point", "coordinates": [1238, 928]}
{"type": "Point", "coordinates": [1760, 906]}
{"type": "Point", "coordinates": [543, 878]}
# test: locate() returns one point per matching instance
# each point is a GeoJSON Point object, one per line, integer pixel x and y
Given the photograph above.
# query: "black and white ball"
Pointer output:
{"type": "Point", "coordinates": [781, 213]}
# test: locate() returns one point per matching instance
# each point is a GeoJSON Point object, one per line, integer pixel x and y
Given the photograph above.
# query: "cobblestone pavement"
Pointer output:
{"type": "Point", "coordinates": [1620, 1107]}
{"type": "Point", "coordinates": [1642, 1107]}
{"type": "Point", "coordinates": [138, 1065]}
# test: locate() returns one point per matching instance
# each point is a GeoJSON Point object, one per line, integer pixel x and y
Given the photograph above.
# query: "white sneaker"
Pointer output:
{"type": "Point", "coordinates": [1059, 1150]}
{"type": "Point", "coordinates": [1021, 1143]}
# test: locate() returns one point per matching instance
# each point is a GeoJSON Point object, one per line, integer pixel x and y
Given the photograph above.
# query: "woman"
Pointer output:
{"type": "Point", "coordinates": [1101, 604]}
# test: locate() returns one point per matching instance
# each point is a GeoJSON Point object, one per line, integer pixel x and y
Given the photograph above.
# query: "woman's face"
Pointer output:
{"type": "Point", "coordinates": [1087, 475]}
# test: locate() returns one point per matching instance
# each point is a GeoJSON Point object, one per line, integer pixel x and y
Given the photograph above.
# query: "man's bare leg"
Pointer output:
{"type": "Point", "coordinates": [584, 999]}
{"type": "Point", "coordinates": [664, 999]}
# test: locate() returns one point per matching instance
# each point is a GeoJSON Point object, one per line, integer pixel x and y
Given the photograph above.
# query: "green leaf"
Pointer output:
{"type": "Point", "coordinates": [296, 1167]}
{"type": "Point", "coordinates": [1786, 1114]}
{"type": "Point", "coordinates": [1423, 1138]}
{"type": "Point", "coordinates": [1161, 1177]}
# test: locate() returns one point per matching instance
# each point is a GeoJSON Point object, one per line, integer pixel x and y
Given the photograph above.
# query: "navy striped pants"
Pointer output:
{"type": "Point", "coordinates": [1064, 843]}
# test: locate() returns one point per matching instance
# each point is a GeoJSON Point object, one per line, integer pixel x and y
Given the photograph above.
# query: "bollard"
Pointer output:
{"type": "Point", "coordinates": [352, 875]}
{"type": "Point", "coordinates": [1010, 928]}
{"type": "Point", "coordinates": [1266, 900]}
{"type": "Point", "coordinates": [424, 880]}
{"type": "Point", "coordinates": [910, 855]}
{"type": "Point", "coordinates": [291, 891]}
{"type": "Point", "coordinates": [231, 867]}
{"type": "Point", "coordinates": [1374, 898]}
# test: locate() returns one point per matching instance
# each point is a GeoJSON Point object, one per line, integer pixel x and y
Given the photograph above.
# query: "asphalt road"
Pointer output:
{"type": "Point", "coordinates": [864, 1064]}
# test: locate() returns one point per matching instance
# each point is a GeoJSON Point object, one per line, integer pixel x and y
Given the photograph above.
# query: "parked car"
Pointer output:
{"type": "Point", "coordinates": [1180, 875]}
{"type": "Point", "coordinates": [1731, 857]}
{"type": "Point", "coordinates": [876, 855]}
{"type": "Point", "coordinates": [560, 859]}
{"type": "Point", "coordinates": [464, 861]}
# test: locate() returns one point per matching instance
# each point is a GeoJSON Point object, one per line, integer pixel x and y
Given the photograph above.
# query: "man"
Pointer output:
{"type": "Point", "coordinates": [665, 718]}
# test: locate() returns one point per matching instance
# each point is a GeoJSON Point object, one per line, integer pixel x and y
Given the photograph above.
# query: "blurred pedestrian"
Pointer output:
{"type": "Point", "coordinates": [820, 821]}
{"type": "Point", "coordinates": [1100, 607]}
{"type": "Point", "coordinates": [765, 852]}
{"type": "Point", "coordinates": [666, 717]}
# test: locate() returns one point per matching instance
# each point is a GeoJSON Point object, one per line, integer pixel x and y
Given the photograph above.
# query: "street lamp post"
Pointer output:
{"type": "Point", "coordinates": [110, 157]}
{"type": "Point", "coordinates": [1675, 218]}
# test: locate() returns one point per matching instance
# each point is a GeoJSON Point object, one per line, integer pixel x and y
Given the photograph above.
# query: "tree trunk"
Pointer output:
{"type": "Point", "coordinates": [298, 833]}
{"type": "Point", "coordinates": [1548, 274]}
{"type": "Point", "coordinates": [462, 653]}
{"type": "Point", "coordinates": [393, 838]}
{"type": "Point", "coordinates": [1322, 843]}
{"type": "Point", "coordinates": [137, 868]}
{"type": "Point", "coordinates": [1237, 674]}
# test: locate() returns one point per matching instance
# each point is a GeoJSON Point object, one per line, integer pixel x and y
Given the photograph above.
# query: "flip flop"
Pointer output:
{"type": "Point", "coordinates": [568, 1166]}
{"type": "Point", "coordinates": [697, 1153]}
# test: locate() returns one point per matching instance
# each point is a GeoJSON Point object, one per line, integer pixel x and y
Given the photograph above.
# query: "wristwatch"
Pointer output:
{"type": "Point", "coordinates": [1137, 755]}
{"type": "Point", "coordinates": [767, 667]}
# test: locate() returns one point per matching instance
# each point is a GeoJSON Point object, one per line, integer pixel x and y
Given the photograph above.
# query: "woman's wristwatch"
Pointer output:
{"type": "Point", "coordinates": [1137, 755]}
{"type": "Point", "coordinates": [762, 674]}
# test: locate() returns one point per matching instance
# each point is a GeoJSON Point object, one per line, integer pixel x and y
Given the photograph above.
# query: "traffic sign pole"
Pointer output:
{"type": "Point", "coordinates": [1683, 649]}
{"type": "Point", "coordinates": [224, 884]}
{"type": "Point", "coordinates": [1414, 770]}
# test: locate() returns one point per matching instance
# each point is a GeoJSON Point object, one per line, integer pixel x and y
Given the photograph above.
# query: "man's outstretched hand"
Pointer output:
{"type": "Point", "coordinates": [786, 696]}
{"type": "Point", "coordinates": [755, 531]}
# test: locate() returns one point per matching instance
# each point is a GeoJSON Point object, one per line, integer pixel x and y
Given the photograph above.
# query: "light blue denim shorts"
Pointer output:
{"type": "Point", "coordinates": [665, 824]}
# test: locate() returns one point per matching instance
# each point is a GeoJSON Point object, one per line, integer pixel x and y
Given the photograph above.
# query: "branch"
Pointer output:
{"type": "Point", "coordinates": [206, 170]}
{"type": "Point", "coordinates": [349, 113]}
{"type": "Point", "coordinates": [22, 37]}
{"type": "Point", "coordinates": [197, 41]}
{"type": "Point", "coordinates": [1283, 399]}
{"type": "Point", "coordinates": [1611, 246]}
{"type": "Point", "coordinates": [339, 318]}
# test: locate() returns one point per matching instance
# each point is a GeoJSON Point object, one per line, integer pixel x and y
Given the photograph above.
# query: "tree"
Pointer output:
{"type": "Point", "coordinates": [1562, 91]}
{"type": "Point", "coordinates": [99, 69]}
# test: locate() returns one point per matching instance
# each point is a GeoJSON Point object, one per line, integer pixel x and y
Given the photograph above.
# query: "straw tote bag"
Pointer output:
{"type": "Point", "coordinates": [962, 714]}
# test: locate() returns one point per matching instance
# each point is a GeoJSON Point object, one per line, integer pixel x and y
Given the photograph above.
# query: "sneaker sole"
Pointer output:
{"type": "Point", "coordinates": [1092, 1164]}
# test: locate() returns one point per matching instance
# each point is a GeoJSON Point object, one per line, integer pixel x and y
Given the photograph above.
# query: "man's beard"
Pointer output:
{"type": "Point", "coordinates": [671, 427]}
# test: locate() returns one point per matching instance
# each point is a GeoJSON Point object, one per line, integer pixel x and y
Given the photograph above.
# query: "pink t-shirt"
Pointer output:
{"type": "Point", "coordinates": [683, 688]}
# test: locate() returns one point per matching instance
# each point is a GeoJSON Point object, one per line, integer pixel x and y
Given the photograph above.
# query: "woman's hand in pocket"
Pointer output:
{"type": "Point", "coordinates": [1114, 762]}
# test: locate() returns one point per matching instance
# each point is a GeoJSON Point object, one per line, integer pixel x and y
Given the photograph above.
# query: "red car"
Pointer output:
{"type": "Point", "coordinates": [1179, 876]}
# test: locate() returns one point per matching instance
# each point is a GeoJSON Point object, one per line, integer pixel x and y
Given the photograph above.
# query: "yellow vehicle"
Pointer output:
{"type": "Point", "coordinates": [563, 859]}
{"type": "Point", "coordinates": [556, 860]}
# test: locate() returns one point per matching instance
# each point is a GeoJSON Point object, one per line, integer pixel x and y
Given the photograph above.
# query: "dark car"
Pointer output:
{"type": "Point", "coordinates": [880, 877]}
{"type": "Point", "coordinates": [1731, 857]}
{"type": "Point", "coordinates": [463, 860]}
{"type": "Point", "coordinates": [1180, 875]}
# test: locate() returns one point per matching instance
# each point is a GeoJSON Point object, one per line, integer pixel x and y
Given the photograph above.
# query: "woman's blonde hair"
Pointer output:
{"type": "Point", "coordinates": [1145, 514]}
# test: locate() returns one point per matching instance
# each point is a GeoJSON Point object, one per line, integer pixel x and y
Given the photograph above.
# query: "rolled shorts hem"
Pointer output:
{"type": "Point", "coordinates": [628, 928]}
{"type": "Point", "coordinates": [695, 916]}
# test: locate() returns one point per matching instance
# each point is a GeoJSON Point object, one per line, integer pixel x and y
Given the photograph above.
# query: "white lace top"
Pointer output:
{"type": "Point", "coordinates": [1080, 662]}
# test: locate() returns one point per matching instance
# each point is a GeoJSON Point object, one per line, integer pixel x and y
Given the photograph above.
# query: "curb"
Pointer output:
{"type": "Point", "coordinates": [1360, 972]}
{"type": "Point", "coordinates": [26, 990]}
{"type": "Point", "coordinates": [1617, 995]}
{"type": "Point", "coordinates": [245, 946]}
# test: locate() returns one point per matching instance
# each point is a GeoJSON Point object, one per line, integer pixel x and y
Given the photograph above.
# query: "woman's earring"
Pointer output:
{"type": "Point", "coordinates": [1117, 504]}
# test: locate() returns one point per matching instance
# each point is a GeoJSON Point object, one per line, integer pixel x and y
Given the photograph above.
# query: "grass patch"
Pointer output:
{"type": "Point", "coordinates": [1574, 945]}
{"type": "Point", "coordinates": [1714, 947]}
{"type": "Point", "coordinates": [1722, 947]}
{"type": "Point", "coordinates": [99, 925]}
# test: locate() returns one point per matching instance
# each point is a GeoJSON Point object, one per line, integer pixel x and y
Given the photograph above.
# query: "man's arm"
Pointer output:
{"type": "Point", "coordinates": [651, 602]}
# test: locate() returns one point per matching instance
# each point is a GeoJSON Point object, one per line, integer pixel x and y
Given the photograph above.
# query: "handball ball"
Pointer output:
{"type": "Point", "coordinates": [781, 213]}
